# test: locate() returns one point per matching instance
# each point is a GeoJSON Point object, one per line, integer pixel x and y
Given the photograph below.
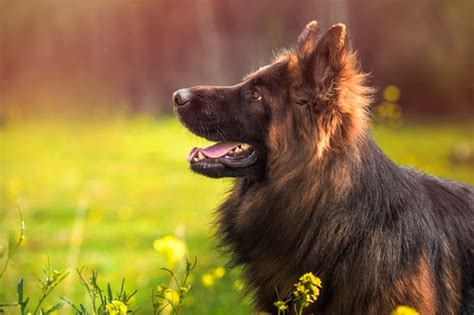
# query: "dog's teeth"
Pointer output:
{"type": "Point", "coordinates": [238, 149]}
{"type": "Point", "coordinates": [245, 146]}
{"type": "Point", "coordinates": [195, 159]}
{"type": "Point", "coordinates": [200, 155]}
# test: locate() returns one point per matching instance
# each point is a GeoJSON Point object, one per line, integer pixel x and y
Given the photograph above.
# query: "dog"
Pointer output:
{"type": "Point", "coordinates": [314, 193]}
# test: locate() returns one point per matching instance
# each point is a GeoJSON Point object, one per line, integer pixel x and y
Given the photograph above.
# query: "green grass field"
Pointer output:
{"type": "Point", "coordinates": [97, 194]}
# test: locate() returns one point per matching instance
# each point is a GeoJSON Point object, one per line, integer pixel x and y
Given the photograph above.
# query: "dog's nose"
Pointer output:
{"type": "Point", "coordinates": [181, 97]}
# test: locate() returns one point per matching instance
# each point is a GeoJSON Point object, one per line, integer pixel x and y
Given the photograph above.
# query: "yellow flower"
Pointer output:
{"type": "Point", "coordinates": [317, 282]}
{"type": "Point", "coordinates": [307, 288]}
{"type": "Point", "coordinates": [404, 310]}
{"type": "Point", "coordinates": [166, 298]}
{"type": "Point", "coordinates": [116, 308]}
{"type": "Point", "coordinates": [389, 111]}
{"type": "Point", "coordinates": [173, 299]}
{"type": "Point", "coordinates": [280, 305]}
{"type": "Point", "coordinates": [219, 272]}
{"type": "Point", "coordinates": [391, 93]}
{"type": "Point", "coordinates": [300, 289]}
{"type": "Point", "coordinates": [207, 280]}
{"type": "Point", "coordinates": [173, 248]}
{"type": "Point", "coordinates": [183, 290]}
{"type": "Point", "coordinates": [160, 289]}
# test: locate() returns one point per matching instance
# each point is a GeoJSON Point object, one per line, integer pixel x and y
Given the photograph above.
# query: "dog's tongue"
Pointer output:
{"type": "Point", "coordinates": [214, 151]}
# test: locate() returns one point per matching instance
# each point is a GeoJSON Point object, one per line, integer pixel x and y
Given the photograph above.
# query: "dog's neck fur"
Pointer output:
{"type": "Point", "coordinates": [318, 227]}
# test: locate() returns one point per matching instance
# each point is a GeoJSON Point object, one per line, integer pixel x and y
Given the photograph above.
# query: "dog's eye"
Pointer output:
{"type": "Point", "coordinates": [256, 95]}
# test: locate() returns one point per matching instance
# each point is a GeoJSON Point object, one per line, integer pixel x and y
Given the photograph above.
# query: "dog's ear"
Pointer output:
{"type": "Point", "coordinates": [330, 54]}
{"type": "Point", "coordinates": [308, 39]}
{"type": "Point", "coordinates": [321, 58]}
{"type": "Point", "coordinates": [324, 69]}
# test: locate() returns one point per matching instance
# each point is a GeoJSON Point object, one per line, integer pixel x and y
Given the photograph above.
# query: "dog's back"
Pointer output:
{"type": "Point", "coordinates": [453, 205]}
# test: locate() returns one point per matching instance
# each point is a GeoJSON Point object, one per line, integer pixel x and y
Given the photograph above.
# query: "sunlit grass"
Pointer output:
{"type": "Point", "coordinates": [98, 194]}
{"type": "Point", "coordinates": [428, 147]}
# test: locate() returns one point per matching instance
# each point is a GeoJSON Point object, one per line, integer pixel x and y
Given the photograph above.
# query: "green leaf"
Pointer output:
{"type": "Point", "coordinates": [23, 303]}
{"type": "Point", "coordinates": [19, 290]}
{"type": "Point", "coordinates": [84, 310]}
{"type": "Point", "coordinates": [54, 308]}
{"type": "Point", "coordinates": [109, 292]}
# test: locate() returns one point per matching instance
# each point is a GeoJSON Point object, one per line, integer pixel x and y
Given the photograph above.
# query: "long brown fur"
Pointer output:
{"type": "Point", "coordinates": [323, 198]}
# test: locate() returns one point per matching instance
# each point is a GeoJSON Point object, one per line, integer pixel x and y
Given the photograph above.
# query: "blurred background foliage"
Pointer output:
{"type": "Point", "coordinates": [103, 57]}
{"type": "Point", "coordinates": [87, 147]}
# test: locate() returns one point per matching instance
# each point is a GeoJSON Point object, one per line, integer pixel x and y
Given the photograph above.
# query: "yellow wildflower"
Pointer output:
{"type": "Point", "coordinates": [183, 290]}
{"type": "Point", "coordinates": [307, 288]}
{"type": "Point", "coordinates": [404, 310]}
{"type": "Point", "coordinates": [391, 93]}
{"type": "Point", "coordinates": [173, 248]}
{"type": "Point", "coordinates": [160, 289]}
{"type": "Point", "coordinates": [219, 272]}
{"type": "Point", "coordinates": [116, 308]}
{"type": "Point", "coordinates": [300, 289]}
{"type": "Point", "coordinates": [317, 282]}
{"type": "Point", "coordinates": [207, 280]}
{"type": "Point", "coordinates": [173, 299]}
{"type": "Point", "coordinates": [280, 305]}
{"type": "Point", "coordinates": [167, 299]}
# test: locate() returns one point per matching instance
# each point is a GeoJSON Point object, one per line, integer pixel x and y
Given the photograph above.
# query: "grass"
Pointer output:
{"type": "Point", "coordinates": [98, 194]}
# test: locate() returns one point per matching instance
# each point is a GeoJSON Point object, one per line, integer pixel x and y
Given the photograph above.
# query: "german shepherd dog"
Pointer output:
{"type": "Point", "coordinates": [314, 193]}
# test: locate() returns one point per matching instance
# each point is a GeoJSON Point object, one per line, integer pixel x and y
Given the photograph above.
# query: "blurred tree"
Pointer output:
{"type": "Point", "coordinates": [103, 56]}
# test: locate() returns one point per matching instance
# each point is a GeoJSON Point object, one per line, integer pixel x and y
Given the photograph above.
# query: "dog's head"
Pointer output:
{"type": "Point", "coordinates": [308, 102]}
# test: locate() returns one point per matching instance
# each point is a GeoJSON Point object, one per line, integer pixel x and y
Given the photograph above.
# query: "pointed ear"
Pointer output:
{"type": "Point", "coordinates": [320, 58]}
{"type": "Point", "coordinates": [329, 55]}
{"type": "Point", "coordinates": [308, 39]}
{"type": "Point", "coordinates": [331, 49]}
{"type": "Point", "coordinates": [319, 63]}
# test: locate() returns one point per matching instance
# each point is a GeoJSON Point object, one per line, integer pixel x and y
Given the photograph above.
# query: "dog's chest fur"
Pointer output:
{"type": "Point", "coordinates": [360, 242]}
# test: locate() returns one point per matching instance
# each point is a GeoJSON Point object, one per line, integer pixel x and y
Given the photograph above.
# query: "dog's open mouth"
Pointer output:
{"type": "Point", "coordinates": [230, 154]}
